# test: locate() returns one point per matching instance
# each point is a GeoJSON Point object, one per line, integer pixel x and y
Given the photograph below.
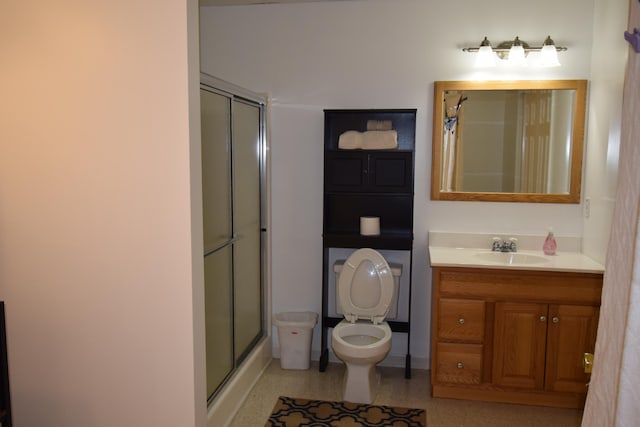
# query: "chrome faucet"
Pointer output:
{"type": "Point", "coordinates": [500, 245]}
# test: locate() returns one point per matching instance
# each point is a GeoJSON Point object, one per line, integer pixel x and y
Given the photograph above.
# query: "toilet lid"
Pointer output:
{"type": "Point", "coordinates": [365, 287]}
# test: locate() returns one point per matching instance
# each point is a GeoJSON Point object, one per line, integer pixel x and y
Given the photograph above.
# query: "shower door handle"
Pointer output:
{"type": "Point", "coordinates": [234, 238]}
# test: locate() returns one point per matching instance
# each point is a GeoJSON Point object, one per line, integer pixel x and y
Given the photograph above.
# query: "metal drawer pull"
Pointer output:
{"type": "Point", "coordinates": [543, 318]}
{"type": "Point", "coordinates": [461, 321]}
{"type": "Point", "coordinates": [555, 319]}
{"type": "Point", "coordinates": [460, 365]}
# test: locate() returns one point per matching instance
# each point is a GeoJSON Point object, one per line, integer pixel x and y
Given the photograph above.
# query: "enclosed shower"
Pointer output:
{"type": "Point", "coordinates": [233, 170]}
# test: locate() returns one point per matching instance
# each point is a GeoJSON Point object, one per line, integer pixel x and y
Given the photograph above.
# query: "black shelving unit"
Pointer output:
{"type": "Point", "coordinates": [367, 183]}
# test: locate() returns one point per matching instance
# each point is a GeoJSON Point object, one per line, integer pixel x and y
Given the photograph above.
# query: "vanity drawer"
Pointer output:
{"type": "Point", "coordinates": [459, 363]}
{"type": "Point", "coordinates": [461, 319]}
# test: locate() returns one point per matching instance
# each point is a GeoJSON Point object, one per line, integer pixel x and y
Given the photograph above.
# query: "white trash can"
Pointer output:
{"type": "Point", "coordinates": [295, 330]}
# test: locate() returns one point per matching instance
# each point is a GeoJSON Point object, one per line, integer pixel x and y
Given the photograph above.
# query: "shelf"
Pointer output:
{"type": "Point", "coordinates": [381, 195]}
{"type": "Point", "coordinates": [342, 212]}
{"type": "Point", "coordinates": [398, 241]}
{"type": "Point", "coordinates": [331, 322]}
{"type": "Point", "coordinates": [339, 121]}
{"type": "Point", "coordinates": [360, 150]}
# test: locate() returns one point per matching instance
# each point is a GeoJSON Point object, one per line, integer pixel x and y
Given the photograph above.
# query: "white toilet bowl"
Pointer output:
{"type": "Point", "coordinates": [361, 346]}
{"type": "Point", "coordinates": [363, 339]}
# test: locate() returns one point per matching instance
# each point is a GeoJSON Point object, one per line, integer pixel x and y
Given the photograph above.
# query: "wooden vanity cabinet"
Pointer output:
{"type": "Point", "coordinates": [571, 334]}
{"type": "Point", "coordinates": [513, 336]}
{"type": "Point", "coordinates": [548, 341]}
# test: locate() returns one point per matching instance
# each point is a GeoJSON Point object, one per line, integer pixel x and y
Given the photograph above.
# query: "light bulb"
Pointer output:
{"type": "Point", "coordinates": [485, 57]}
{"type": "Point", "coordinates": [516, 56]}
{"type": "Point", "coordinates": [549, 54]}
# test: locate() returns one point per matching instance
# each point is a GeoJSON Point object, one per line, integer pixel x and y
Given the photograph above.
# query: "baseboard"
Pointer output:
{"type": "Point", "coordinates": [226, 404]}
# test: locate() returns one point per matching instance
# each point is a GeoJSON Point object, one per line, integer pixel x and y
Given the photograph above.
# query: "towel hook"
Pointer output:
{"type": "Point", "coordinates": [633, 39]}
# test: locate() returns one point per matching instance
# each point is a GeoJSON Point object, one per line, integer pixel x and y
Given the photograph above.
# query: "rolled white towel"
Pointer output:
{"type": "Point", "coordinates": [379, 125]}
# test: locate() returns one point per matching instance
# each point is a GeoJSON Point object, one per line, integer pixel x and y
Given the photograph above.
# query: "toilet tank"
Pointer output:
{"type": "Point", "coordinates": [396, 272]}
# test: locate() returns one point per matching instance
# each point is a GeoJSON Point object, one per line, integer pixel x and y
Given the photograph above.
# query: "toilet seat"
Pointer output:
{"type": "Point", "coordinates": [365, 287]}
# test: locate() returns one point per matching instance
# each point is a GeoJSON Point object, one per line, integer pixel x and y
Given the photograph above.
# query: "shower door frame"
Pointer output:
{"type": "Point", "coordinates": [238, 94]}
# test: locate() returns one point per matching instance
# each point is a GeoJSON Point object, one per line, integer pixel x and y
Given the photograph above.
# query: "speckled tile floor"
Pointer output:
{"type": "Point", "coordinates": [395, 390]}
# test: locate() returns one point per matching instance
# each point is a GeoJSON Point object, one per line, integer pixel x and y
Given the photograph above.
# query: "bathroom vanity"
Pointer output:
{"type": "Point", "coordinates": [515, 328]}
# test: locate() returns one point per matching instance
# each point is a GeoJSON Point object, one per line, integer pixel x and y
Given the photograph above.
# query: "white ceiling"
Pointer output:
{"type": "Point", "coordinates": [239, 2]}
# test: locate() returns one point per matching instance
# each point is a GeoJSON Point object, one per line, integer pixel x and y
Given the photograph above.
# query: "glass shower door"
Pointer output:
{"type": "Point", "coordinates": [247, 250]}
{"type": "Point", "coordinates": [232, 188]}
{"type": "Point", "coordinates": [218, 236]}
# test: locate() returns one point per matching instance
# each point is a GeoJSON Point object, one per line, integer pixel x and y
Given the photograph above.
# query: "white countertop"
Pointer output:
{"type": "Point", "coordinates": [446, 250]}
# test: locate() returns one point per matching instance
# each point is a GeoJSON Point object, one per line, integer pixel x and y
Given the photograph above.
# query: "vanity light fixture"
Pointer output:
{"type": "Point", "coordinates": [516, 52]}
{"type": "Point", "coordinates": [549, 53]}
{"type": "Point", "coordinates": [485, 56]}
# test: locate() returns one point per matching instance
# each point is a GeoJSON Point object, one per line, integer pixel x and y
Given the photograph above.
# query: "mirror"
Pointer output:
{"type": "Point", "coordinates": [508, 141]}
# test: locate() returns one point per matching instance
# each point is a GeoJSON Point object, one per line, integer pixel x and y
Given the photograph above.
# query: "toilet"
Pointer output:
{"type": "Point", "coordinates": [365, 288]}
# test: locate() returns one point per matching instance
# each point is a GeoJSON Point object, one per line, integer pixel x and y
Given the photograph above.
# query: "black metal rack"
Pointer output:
{"type": "Point", "coordinates": [367, 183]}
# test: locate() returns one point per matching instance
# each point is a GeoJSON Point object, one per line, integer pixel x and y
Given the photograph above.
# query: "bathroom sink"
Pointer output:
{"type": "Point", "coordinates": [474, 251]}
{"type": "Point", "coordinates": [509, 258]}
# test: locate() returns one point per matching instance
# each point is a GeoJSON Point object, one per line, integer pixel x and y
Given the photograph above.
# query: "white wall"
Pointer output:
{"type": "Point", "coordinates": [378, 54]}
{"type": "Point", "coordinates": [95, 212]}
{"type": "Point", "coordinates": [603, 130]}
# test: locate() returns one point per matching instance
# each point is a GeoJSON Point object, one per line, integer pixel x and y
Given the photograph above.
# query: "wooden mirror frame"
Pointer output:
{"type": "Point", "coordinates": [577, 140]}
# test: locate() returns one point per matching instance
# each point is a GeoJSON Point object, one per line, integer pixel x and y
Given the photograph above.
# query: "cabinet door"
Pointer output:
{"type": "Point", "coordinates": [519, 345]}
{"type": "Point", "coordinates": [390, 172]}
{"type": "Point", "coordinates": [365, 171]}
{"type": "Point", "coordinates": [572, 332]}
{"type": "Point", "coordinates": [346, 171]}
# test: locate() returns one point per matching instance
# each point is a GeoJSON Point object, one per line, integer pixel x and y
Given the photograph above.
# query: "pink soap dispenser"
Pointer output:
{"type": "Point", "coordinates": [550, 245]}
